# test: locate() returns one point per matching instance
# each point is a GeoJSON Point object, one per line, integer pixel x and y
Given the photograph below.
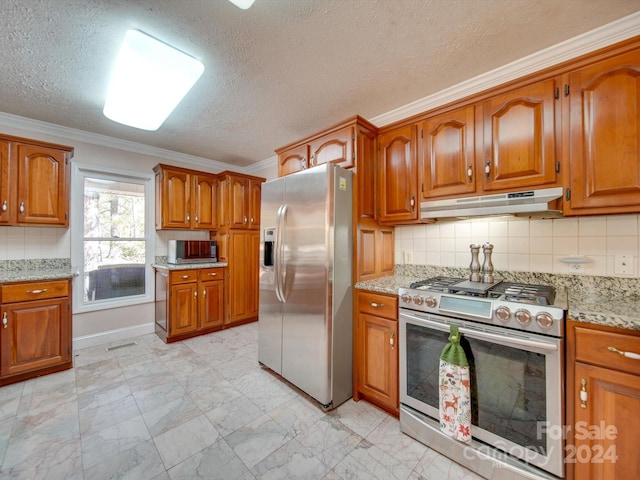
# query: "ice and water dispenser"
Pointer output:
{"type": "Point", "coordinates": [269, 246]}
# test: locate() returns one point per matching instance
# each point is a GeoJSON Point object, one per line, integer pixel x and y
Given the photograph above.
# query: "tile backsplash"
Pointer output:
{"type": "Point", "coordinates": [526, 245]}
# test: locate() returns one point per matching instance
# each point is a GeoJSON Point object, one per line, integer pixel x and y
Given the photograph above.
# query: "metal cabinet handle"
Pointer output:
{"type": "Point", "coordinates": [583, 393]}
{"type": "Point", "coordinates": [21, 208]}
{"type": "Point", "coordinates": [204, 293]}
{"type": "Point", "coordinates": [251, 220]}
{"type": "Point", "coordinates": [631, 355]}
{"type": "Point", "coordinates": [313, 160]}
{"type": "Point", "coordinates": [244, 219]}
{"type": "Point", "coordinates": [470, 173]}
{"type": "Point", "coordinates": [392, 340]}
{"type": "Point", "coordinates": [413, 202]}
{"type": "Point", "coordinates": [184, 277]}
{"type": "Point", "coordinates": [36, 292]}
{"type": "Point", "coordinates": [376, 305]}
{"type": "Point", "coordinates": [303, 164]}
{"type": "Point", "coordinates": [188, 217]}
{"type": "Point", "coordinates": [487, 168]}
{"type": "Point", "coordinates": [196, 218]}
{"type": "Point", "coordinates": [195, 293]}
{"type": "Point", "coordinates": [4, 206]}
{"type": "Point", "coordinates": [4, 320]}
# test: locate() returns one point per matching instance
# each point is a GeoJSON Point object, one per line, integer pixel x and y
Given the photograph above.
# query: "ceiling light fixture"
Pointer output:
{"type": "Point", "coordinates": [149, 80]}
{"type": "Point", "coordinates": [243, 4]}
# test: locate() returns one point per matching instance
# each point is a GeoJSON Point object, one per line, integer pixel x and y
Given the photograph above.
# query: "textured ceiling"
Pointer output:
{"type": "Point", "coordinates": [274, 73]}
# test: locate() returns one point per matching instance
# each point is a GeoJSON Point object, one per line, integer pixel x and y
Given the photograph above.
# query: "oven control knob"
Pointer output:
{"type": "Point", "coordinates": [544, 319]}
{"type": "Point", "coordinates": [503, 313]}
{"type": "Point", "coordinates": [418, 300]}
{"type": "Point", "coordinates": [431, 302]}
{"type": "Point", "coordinates": [523, 316]}
{"type": "Point", "coordinates": [406, 298]}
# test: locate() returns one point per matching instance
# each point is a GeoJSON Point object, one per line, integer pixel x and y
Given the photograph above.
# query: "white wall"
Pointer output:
{"type": "Point", "coordinates": [525, 245]}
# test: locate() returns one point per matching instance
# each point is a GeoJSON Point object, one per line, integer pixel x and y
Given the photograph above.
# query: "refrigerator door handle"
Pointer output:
{"type": "Point", "coordinates": [280, 270]}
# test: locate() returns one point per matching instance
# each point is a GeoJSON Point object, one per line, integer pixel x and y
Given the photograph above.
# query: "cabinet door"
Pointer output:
{"type": "Point", "coordinates": [176, 199]}
{"type": "Point", "coordinates": [377, 375]}
{"type": "Point", "coordinates": [365, 178]}
{"type": "Point", "coordinates": [375, 250]}
{"type": "Point", "coordinates": [204, 202]}
{"type": "Point", "coordinates": [238, 202]}
{"type": "Point", "coordinates": [238, 284]}
{"type": "Point", "coordinates": [293, 160]}
{"type": "Point", "coordinates": [336, 147]}
{"type": "Point", "coordinates": [211, 304]}
{"type": "Point", "coordinates": [255, 193]}
{"type": "Point", "coordinates": [253, 273]}
{"type": "Point", "coordinates": [610, 412]}
{"type": "Point", "coordinates": [447, 159]}
{"type": "Point", "coordinates": [520, 138]}
{"type": "Point", "coordinates": [36, 335]}
{"type": "Point", "coordinates": [398, 182]}
{"type": "Point", "coordinates": [605, 136]}
{"type": "Point", "coordinates": [183, 314]}
{"type": "Point", "coordinates": [43, 196]}
{"type": "Point", "coordinates": [6, 209]}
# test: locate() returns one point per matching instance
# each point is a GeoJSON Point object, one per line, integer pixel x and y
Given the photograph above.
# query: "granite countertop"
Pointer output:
{"type": "Point", "coordinates": [587, 302]}
{"type": "Point", "coordinates": [35, 275]}
{"type": "Point", "coordinates": [188, 266]}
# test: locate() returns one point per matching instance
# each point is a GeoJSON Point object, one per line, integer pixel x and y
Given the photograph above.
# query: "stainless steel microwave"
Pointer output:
{"type": "Point", "coordinates": [192, 251]}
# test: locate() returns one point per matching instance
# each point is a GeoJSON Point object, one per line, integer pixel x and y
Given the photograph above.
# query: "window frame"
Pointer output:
{"type": "Point", "coordinates": [79, 172]}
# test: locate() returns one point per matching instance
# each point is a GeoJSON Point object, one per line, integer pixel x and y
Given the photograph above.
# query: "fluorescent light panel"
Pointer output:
{"type": "Point", "coordinates": [149, 80]}
{"type": "Point", "coordinates": [243, 4]}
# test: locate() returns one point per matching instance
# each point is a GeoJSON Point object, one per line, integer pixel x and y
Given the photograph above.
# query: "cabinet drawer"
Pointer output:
{"type": "Point", "coordinates": [379, 305]}
{"type": "Point", "coordinates": [208, 274]}
{"type": "Point", "coordinates": [183, 276]}
{"type": "Point", "coordinates": [592, 346]}
{"type": "Point", "coordinates": [21, 292]}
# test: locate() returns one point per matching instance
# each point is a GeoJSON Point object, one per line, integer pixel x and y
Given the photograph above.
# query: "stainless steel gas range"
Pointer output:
{"type": "Point", "coordinates": [512, 335]}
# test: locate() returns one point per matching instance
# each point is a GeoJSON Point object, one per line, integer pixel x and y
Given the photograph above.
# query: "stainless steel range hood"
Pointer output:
{"type": "Point", "coordinates": [542, 203]}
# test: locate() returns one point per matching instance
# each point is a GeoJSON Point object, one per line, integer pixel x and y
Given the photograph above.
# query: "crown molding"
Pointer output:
{"type": "Point", "coordinates": [262, 165]}
{"type": "Point", "coordinates": [45, 128]}
{"type": "Point", "coordinates": [601, 37]}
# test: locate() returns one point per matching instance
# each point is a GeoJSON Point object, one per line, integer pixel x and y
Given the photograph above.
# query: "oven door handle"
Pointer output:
{"type": "Point", "coordinates": [492, 337]}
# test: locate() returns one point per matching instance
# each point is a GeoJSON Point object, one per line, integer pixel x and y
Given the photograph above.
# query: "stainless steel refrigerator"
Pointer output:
{"type": "Point", "coordinates": [305, 316]}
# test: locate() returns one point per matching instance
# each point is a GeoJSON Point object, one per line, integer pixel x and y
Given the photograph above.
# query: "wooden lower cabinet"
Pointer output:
{"type": "Point", "coordinates": [189, 302]}
{"type": "Point", "coordinates": [603, 403]}
{"type": "Point", "coordinates": [244, 265]}
{"type": "Point", "coordinates": [35, 337]}
{"type": "Point", "coordinates": [376, 350]}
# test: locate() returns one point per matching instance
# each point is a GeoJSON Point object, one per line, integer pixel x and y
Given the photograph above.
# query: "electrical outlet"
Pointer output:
{"type": "Point", "coordinates": [623, 265]}
{"type": "Point", "coordinates": [408, 257]}
{"type": "Point", "coordinates": [576, 268]}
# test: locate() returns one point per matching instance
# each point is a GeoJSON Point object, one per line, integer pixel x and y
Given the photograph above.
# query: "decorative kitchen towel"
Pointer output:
{"type": "Point", "coordinates": [455, 394]}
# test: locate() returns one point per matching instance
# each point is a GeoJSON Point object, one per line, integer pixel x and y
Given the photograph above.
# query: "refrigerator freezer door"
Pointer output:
{"type": "Point", "coordinates": [270, 308]}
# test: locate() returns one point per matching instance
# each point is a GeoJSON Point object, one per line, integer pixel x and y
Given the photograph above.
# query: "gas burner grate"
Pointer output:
{"type": "Point", "coordinates": [437, 284]}
{"type": "Point", "coordinates": [525, 293]}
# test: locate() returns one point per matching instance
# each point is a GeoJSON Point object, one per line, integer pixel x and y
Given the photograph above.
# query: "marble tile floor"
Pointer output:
{"type": "Point", "coordinates": [198, 409]}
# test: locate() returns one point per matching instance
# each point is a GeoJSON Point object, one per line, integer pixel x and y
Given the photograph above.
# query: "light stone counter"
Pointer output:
{"type": "Point", "coordinates": [12, 271]}
{"type": "Point", "coordinates": [611, 301]}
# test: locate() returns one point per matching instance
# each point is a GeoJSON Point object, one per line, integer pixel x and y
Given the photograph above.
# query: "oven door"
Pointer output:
{"type": "Point", "coordinates": [516, 384]}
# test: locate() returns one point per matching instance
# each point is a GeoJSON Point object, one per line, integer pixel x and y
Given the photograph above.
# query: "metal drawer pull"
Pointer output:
{"type": "Point", "coordinates": [4, 320]}
{"type": "Point", "coordinates": [634, 356]}
{"type": "Point", "coordinates": [35, 292]}
{"type": "Point", "coordinates": [376, 305]}
{"type": "Point", "coordinates": [212, 274]}
{"type": "Point", "coordinates": [583, 393]}
{"type": "Point", "coordinates": [184, 277]}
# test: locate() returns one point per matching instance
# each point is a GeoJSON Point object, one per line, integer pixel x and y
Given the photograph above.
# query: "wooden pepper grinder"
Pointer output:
{"type": "Point", "coordinates": [487, 266]}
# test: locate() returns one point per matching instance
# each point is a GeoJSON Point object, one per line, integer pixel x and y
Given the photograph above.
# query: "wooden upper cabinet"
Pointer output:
{"type": "Point", "coordinates": [5, 194]}
{"type": "Point", "coordinates": [185, 199]}
{"type": "Point", "coordinates": [336, 147]}
{"type": "Point", "coordinates": [240, 197]}
{"type": "Point", "coordinates": [293, 160]}
{"type": "Point", "coordinates": [520, 138]}
{"type": "Point", "coordinates": [34, 183]}
{"type": "Point", "coordinates": [397, 181]}
{"type": "Point", "coordinates": [447, 157]}
{"type": "Point", "coordinates": [205, 192]}
{"type": "Point", "coordinates": [604, 129]}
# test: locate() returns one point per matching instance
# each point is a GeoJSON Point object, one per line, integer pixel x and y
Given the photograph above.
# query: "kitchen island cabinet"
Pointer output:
{"type": "Point", "coordinates": [376, 350]}
{"type": "Point", "coordinates": [189, 302]}
{"type": "Point", "coordinates": [34, 182]}
{"type": "Point", "coordinates": [603, 401]}
{"type": "Point", "coordinates": [35, 338]}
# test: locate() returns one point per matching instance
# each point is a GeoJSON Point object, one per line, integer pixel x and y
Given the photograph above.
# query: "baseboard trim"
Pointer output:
{"type": "Point", "coordinates": [103, 338]}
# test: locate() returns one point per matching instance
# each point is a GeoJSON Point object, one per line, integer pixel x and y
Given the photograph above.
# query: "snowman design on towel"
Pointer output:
{"type": "Point", "coordinates": [455, 392]}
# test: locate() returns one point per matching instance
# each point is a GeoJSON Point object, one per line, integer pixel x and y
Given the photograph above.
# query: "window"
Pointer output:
{"type": "Point", "coordinates": [111, 243]}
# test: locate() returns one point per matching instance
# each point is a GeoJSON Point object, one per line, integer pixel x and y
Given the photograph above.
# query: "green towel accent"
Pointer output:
{"type": "Point", "coordinates": [453, 352]}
